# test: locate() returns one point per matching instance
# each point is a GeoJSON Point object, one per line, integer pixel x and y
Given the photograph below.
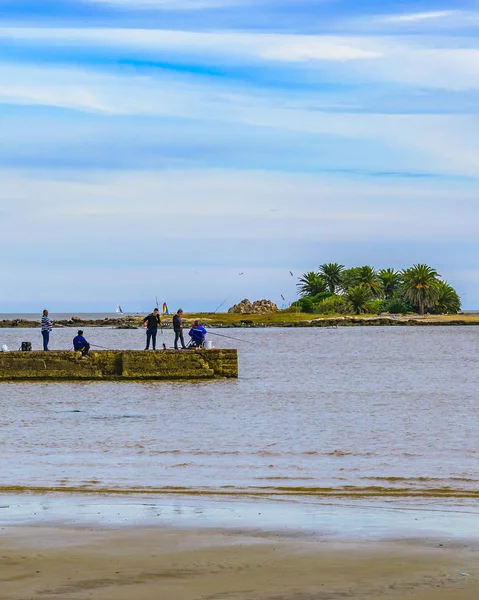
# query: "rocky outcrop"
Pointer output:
{"type": "Point", "coordinates": [259, 307]}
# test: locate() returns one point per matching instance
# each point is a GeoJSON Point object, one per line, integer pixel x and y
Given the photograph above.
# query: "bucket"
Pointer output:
{"type": "Point", "coordinates": [4, 348]}
{"type": "Point", "coordinates": [209, 345]}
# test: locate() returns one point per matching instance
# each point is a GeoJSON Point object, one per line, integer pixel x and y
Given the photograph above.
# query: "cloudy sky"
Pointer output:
{"type": "Point", "coordinates": [162, 147]}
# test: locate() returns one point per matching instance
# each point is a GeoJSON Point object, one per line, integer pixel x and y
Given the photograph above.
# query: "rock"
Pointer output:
{"type": "Point", "coordinates": [259, 307]}
{"type": "Point", "coordinates": [75, 319]}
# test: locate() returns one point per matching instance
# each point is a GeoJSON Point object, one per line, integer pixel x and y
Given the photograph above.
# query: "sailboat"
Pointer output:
{"type": "Point", "coordinates": [118, 309]}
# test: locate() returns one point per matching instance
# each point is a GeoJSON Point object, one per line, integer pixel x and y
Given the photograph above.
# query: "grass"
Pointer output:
{"type": "Point", "coordinates": [292, 317]}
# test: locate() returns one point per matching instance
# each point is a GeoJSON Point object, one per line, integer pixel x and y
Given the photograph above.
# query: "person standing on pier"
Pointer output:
{"type": "Point", "coordinates": [178, 329]}
{"type": "Point", "coordinates": [46, 328]}
{"type": "Point", "coordinates": [152, 322]}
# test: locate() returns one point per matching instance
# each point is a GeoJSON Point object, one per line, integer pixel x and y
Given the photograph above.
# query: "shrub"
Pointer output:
{"type": "Point", "coordinates": [375, 307]}
{"type": "Point", "coordinates": [397, 306]}
{"type": "Point", "coordinates": [332, 305]}
{"type": "Point", "coordinates": [310, 304]}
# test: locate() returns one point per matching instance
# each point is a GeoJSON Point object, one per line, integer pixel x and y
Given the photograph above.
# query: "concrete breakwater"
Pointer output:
{"type": "Point", "coordinates": [119, 365]}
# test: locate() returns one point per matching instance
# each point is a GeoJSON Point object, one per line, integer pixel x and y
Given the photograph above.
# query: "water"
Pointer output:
{"type": "Point", "coordinates": [353, 413]}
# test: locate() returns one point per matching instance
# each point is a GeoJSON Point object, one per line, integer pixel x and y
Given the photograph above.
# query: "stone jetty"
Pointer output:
{"type": "Point", "coordinates": [119, 365]}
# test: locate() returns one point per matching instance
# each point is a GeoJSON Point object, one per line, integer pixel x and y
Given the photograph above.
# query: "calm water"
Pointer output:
{"type": "Point", "coordinates": [313, 412]}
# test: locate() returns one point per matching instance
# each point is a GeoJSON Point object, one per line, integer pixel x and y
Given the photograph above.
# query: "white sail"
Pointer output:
{"type": "Point", "coordinates": [118, 309]}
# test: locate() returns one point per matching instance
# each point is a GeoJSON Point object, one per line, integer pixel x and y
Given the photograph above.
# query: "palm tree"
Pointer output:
{"type": "Point", "coordinates": [369, 278]}
{"type": "Point", "coordinates": [390, 281]}
{"type": "Point", "coordinates": [311, 284]}
{"type": "Point", "coordinates": [420, 286]}
{"type": "Point", "coordinates": [331, 273]}
{"type": "Point", "coordinates": [349, 278]}
{"type": "Point", "coordinates": [447, 301]}
{"type": "Point", "coordinates": [357, 298]}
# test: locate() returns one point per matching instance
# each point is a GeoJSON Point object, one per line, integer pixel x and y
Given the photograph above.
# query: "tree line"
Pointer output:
{"type": "Point", "coordinates": [364, 290]}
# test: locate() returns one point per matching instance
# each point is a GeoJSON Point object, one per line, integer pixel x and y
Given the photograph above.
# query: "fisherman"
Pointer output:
{"type": "Point", "coordinates": [46, 328]}
{"type": "Point", "coordinates": [197, 334]}
{"type": "Point", "coordinates": [151, 322]}
{"type": "Point", "coordinates": [178, 329]}
{"type": "Point", "coordinates": [80, 344]}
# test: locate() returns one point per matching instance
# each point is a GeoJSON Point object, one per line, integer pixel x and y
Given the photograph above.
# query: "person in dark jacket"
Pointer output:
{"type": "Point", "coordinates": [178, 329]}
{"type": "Point", "coordinates": [197, 334]}
{"type": "Point", "coordinates": [152, 322]}
{"type": "Point", "coordinates": [80, 344]}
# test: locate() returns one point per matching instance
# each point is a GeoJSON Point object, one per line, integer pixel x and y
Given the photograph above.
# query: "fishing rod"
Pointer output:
{"type": "Point", "coordinates": [225, 300]}
{"type": "Point", "coordinates": [92, 345]}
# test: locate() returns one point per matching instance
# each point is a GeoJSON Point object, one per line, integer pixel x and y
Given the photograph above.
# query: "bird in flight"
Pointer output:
{"type": "Point", "coordinates": [291, 273]}
{"type": "Point", "coordinates": [283, 297]}
{"type": "Point", "coordinates": [241, 273]}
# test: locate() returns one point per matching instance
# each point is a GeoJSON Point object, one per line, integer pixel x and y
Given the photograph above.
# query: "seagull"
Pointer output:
{"type": "Point", "coordinates": [283, 297]}
{"type": "Point", "coordinates": [291, 273]}
{"type": "Point", "coordinates": [241, 273]}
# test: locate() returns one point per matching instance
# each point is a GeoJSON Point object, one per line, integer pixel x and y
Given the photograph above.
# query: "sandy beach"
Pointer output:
{"type": "Point", "coordinates": [146, 564]}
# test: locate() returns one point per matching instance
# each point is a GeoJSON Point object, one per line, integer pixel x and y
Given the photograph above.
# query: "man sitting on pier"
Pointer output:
{"type": "Point", "coordinates": [197, 334]}
{"type": "Point", "coordinates": [80, 344]}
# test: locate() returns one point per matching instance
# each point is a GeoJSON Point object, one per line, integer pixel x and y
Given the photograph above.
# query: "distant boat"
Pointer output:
{"type": "Point", "coordinates": [118, 309]}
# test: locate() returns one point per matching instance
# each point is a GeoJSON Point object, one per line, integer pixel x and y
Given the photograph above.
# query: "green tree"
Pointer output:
{"type": "Point", "coordinates": [331, 273]}
{"type": "Point", "coordinates": [357, 298]}
{"type": "Point", "coordinates": [350, 278]}
{"type": "Point", "coordinates": [368, 277]}
{"type": "Point", "coordinates": [311, 284]}
{"type": "Point", "coordinates": [390, 282]}
{"type": "Point", "coordinates": [420, 286]}
{"type": "Point", "coordinates": [447, 301]}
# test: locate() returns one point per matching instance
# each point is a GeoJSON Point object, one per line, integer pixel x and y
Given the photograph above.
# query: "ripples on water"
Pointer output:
{"type": "Point", "coordinates": [314, 412]}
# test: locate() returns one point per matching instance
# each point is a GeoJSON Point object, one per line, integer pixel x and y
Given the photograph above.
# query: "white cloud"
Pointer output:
{"type": "Point", "coordinates": [424, 16]}
{"type": "Point", "coordinates": [226, 203]}
{"type": "Point", "coordinates": [440, 143]}
{"type": "Point", "coordinates": [113, 230]}
{"type": "Point", "coordinates": [316, 50]}
{"type": "Point", "coordinates": [231, 45]}
{"type": "Point", "coordinates": [415, 60]}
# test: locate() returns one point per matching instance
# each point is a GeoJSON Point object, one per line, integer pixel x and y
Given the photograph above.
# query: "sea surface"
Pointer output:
{"type": "Point", "coordinates": [317, 416]}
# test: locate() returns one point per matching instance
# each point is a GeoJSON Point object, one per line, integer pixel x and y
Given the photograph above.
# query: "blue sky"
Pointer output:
{"type": "Point", "coordinates": [162, 147]}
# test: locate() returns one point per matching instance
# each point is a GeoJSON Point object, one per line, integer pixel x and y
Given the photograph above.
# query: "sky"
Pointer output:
{"type": "Point", "coordinates": [197, 151]}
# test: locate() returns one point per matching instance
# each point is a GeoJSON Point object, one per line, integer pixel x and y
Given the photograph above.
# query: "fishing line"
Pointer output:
{"type": "Point", "coordinates": [102, 347]}
{"type": "Point", "coordinates": [231, 338]}
{"type": "Point", "coordinates": [92, 345]}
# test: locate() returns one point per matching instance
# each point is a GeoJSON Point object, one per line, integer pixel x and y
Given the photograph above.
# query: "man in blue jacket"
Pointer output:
{"type": "Point", "coordinates": [197, 334]}
{"type": "Point", "coordinates": [80, 344]}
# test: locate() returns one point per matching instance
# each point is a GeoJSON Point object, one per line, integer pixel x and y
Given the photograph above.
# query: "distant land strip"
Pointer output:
{"type": "Point", "coordinates": [278, 319]}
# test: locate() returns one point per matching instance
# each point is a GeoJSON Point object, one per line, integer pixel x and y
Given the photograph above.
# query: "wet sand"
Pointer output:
{"type": "Point", "coordinates": [150, 564]}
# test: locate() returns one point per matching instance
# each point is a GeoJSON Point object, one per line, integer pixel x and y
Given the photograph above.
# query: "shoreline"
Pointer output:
{"type": "Point", "coordinates": [328, 519]}
{"type": "Point", "coordinates": [144, 563]}
{"type": "Point", "coordinates": [246, 321]}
